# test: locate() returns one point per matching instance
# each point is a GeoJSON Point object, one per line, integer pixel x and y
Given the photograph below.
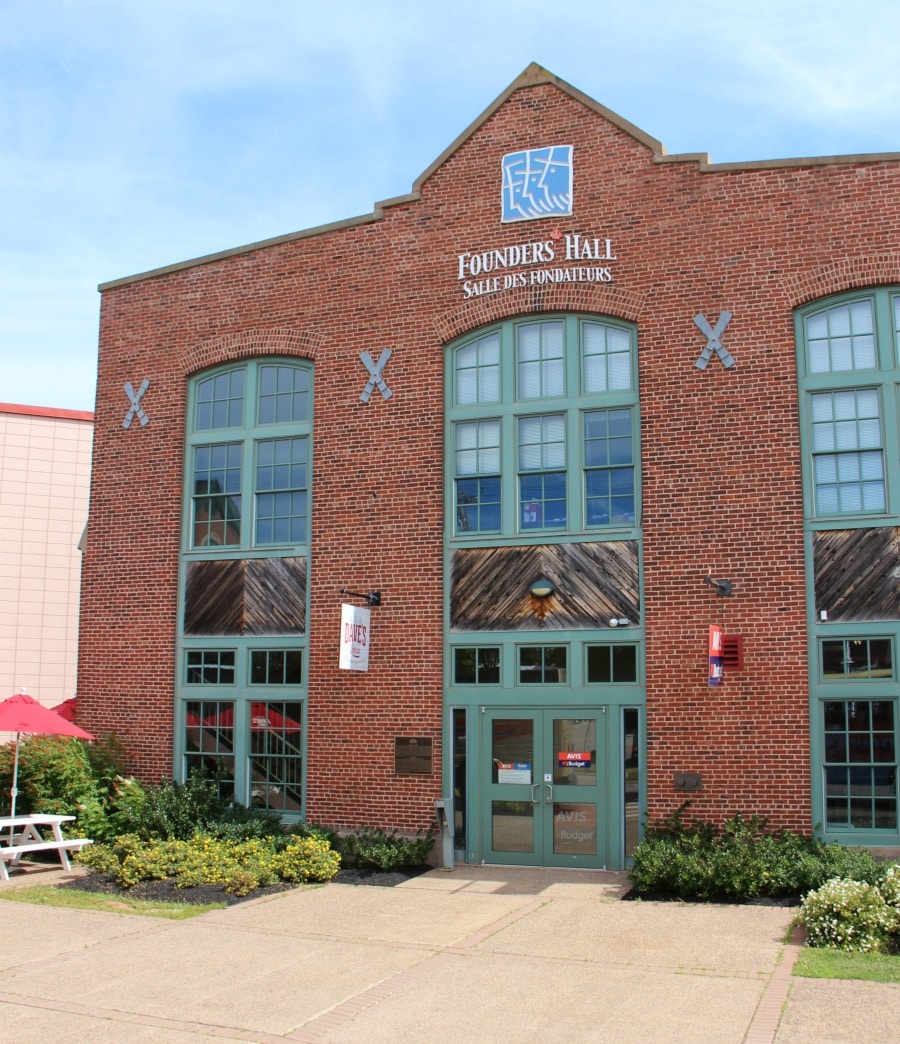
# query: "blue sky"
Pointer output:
{"type": "Point", "coordinates": [140, 133]}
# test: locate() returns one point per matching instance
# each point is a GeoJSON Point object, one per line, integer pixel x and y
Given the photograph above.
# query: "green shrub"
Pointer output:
{"type": "Point", "coordinates": [238, 866]}
{"type": "Point", "coordinates": [380, 850]}
{"type": "Point", "coordinates": [320, 833]}
{"type": "Point", "coordinates": [849, 915]}
{"type": "Point", "coordinates": [742, 860]}
{"type": "Point", "coordinates": [175, 810]}
{"type": "Point", "coordinates": [242, 823]}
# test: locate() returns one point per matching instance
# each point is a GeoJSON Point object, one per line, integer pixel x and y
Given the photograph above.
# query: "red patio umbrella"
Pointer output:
{"type": "Point", "coordinates": [20, 713]}
{"type": "Point", "coordinates": [66, 709]}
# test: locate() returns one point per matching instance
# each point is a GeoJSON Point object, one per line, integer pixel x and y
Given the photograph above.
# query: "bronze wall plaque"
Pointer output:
{"type": "Point", "coordinates": [413, 755]}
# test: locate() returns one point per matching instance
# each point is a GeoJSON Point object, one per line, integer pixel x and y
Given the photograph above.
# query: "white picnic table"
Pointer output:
{"type": "Point", "coordinates": [21, 835]}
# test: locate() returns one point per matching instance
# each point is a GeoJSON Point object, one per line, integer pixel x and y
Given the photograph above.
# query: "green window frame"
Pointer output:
{"type": "Point", "coordinates": [849, 380]}
{"type": "Point", "coordinates": [208, 729]}
{"type": "Point", "coordinates": [476, 665]}
{"type": "Point", "coordinates": [607, 664]}
{"type": "Point", "coordinates": [856, 659]}
{"type": "Point", "coordinates": [276, 666]}
{"type": "Point", "coordinates": [526, 454]}
{"type": "Point", "coordinates": [860, 764]}
{"type": "Point", "coordinates": [477, 467]}
{"type": "Point", "coordinates": [265, 408]}
{"type": "Point", "coordinates": [543, 664]}
{"type": "Point", "coordinates": [247, 496]}
{"type": "Point", "coordinates": [209, 667]}
{"type": "Point", "coordinates": [849, 370]}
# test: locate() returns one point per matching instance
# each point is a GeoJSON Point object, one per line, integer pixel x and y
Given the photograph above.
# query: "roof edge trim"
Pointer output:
{"type": "Point", "coordinates": [533, 76]}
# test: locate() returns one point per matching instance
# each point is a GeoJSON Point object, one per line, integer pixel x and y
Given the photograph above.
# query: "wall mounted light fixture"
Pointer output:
{"type": "Point", "coordinates": [372, 598]}
{"type": "Point", "coordinates": [542, 588]}
{"type": "Point", "coordinates": [723, 587]}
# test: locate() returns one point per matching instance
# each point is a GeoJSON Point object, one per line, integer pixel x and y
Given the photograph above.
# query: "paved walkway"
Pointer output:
{"type": "Point", "coordinates": [476, 954]}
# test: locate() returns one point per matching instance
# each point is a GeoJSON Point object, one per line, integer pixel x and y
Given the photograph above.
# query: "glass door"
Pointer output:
{"type": "Point", "coordinates": [544, 798]}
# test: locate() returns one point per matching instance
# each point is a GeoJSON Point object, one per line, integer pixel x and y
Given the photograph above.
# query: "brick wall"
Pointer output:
{"type": "Point", "coordinates": [721, 464]}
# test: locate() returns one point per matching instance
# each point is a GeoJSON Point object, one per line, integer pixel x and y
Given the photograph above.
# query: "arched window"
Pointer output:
{"type": "Point", "coordinates": [243, 640]}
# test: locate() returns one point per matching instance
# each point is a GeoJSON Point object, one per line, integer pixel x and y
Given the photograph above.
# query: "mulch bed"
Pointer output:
{"type": "Point", "coordinates": [720, 900]}
{"type": "Point", "coordinates": [167, 892]}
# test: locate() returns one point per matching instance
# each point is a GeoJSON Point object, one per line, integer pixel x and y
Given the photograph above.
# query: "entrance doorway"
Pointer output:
{"type": "Point", "coordinates": [544, 794]}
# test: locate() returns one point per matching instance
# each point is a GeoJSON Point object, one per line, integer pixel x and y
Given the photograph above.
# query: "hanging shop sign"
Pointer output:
{"type": "Point", "coordinates": [355, 633]}
{"type": "Point", "coordinates": [716, 654]}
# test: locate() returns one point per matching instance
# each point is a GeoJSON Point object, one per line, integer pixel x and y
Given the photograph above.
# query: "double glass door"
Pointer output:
{"type": "Point", "coordinates": [544, 792]}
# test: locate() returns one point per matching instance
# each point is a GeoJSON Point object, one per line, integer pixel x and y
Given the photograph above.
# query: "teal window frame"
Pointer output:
{"type": "Point", "coordinates": [486, 666]}
{"type": "Point", "coordinates": [548, 657]}
{"type": "Point", "coordinates": [839, 355]}
{"type": "Point", "coordinates": [264, 402]}
{"type": "Point", "coordinates": [620, 659]}
{"type": "Point", "coordinates": [875, 380]}
{"type": "Point", "coordinates": [856, 651]}
{"type": "Point", "coordinates": [569, 399]}
{"type": "Point", "coordinates": [218, 517]}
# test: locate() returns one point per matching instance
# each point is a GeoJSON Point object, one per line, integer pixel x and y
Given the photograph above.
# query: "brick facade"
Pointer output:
{"type": "Point", "coordinates": [721, 464]}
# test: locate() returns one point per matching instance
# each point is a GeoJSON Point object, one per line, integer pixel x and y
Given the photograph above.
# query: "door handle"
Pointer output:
{"type": "Point", "coordinates": [534, 800]}
{"type": "Point", "coordinates": [549, 787]}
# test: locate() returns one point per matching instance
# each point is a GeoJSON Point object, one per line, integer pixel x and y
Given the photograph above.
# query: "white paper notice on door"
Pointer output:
{"type": "Point", "coordinates": [514, 772]}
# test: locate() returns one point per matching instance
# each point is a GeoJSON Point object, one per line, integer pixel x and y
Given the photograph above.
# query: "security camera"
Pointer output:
{"type": "Point", "coordinates": [613, 622]}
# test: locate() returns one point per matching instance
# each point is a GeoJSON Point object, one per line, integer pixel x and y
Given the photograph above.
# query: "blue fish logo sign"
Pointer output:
{"type": "Point", "coordinates": [537, 183]}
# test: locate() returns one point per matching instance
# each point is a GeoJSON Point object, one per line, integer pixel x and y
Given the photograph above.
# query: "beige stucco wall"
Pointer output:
{"type": "Point", "coordinates": [45, 465]}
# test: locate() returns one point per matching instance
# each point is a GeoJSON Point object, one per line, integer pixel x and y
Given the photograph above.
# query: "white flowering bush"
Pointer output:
{"type": "Point", "coordinates": [889, 886]}
{"type": "Point", "coordinates": [849, 915]}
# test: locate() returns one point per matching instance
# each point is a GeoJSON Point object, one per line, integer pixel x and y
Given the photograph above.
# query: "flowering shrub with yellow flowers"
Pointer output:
{"type": "Point", "coordinates": [239, 867]}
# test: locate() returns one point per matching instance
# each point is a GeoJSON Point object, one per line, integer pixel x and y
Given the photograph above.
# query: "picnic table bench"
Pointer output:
{"type": "Point", "coordinates": [22, 835]}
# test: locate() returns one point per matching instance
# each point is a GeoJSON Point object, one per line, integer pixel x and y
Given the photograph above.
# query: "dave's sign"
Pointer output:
{"type": "Point", "coordinates": [355, 631]}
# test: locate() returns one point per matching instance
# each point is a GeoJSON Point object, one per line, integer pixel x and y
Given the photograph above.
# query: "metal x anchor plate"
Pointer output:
{"type": "Point", "coordinates": [714, 344]}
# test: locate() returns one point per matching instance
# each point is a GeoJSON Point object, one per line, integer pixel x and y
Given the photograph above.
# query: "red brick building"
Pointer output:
{"type": "Point", "coordinates": [612, 433]}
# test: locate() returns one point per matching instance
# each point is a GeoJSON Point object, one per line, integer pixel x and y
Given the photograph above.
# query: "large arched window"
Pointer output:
{"type": "Point", "coordinates": [849, 366]}
{"type": "Point", "coordinates": [245, 552]}
{"type": "Point", "coordinates": [543, 429]}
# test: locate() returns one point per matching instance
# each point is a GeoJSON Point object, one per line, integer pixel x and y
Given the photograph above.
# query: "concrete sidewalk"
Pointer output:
{"type": "Point", "coordinates": [476, 954]}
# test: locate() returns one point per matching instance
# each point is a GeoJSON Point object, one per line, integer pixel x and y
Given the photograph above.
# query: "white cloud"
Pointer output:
{"type": "Point", "coordinates": [135, 135]}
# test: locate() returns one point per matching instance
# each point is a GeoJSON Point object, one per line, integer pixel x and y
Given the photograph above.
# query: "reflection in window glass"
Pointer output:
{"type": "Point", "coordinates": [542, 664]}
{"type": "Point", "coordinates": [478, 476]}
{"type": "Point", "coordinates": [209, 743]}
{"type": "Point", "coordinates": [609, 468]}
{"type": "Point", "coordinates": [857, 659]}
{"type": "Point", "coordinates": [281, 491]}
{"type": "Point", "coordinates": [476, 666]}
{"type": "Point", "coordinates": [542, 479]}
{"type": "Point", "coordinates": [631, 750]}
{"type": "Point", "coordinates": [276, 756]}
{"type": "Point", "coordinates": [217, 495]}
{"type": "Point", "coordinates": [210, 667]}
{"type": "Point", "coordinates": [575, 752]}
{"type": "Point", "coordinates": [860, 773]}
{"type": "Point", "coordinates": [607, 664]}
{"type": "Point", "coordinates": [283, 394]}
{"type": "Point", "coordinates": [276, 666]}
{"type": "Point", "coordinates": [220, 401]}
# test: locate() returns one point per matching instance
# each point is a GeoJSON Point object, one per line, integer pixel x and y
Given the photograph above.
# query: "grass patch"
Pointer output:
{"type": "Point", "coordinates": [836, 964]}
{"type": "Point", "coordinates": [48, 895]}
